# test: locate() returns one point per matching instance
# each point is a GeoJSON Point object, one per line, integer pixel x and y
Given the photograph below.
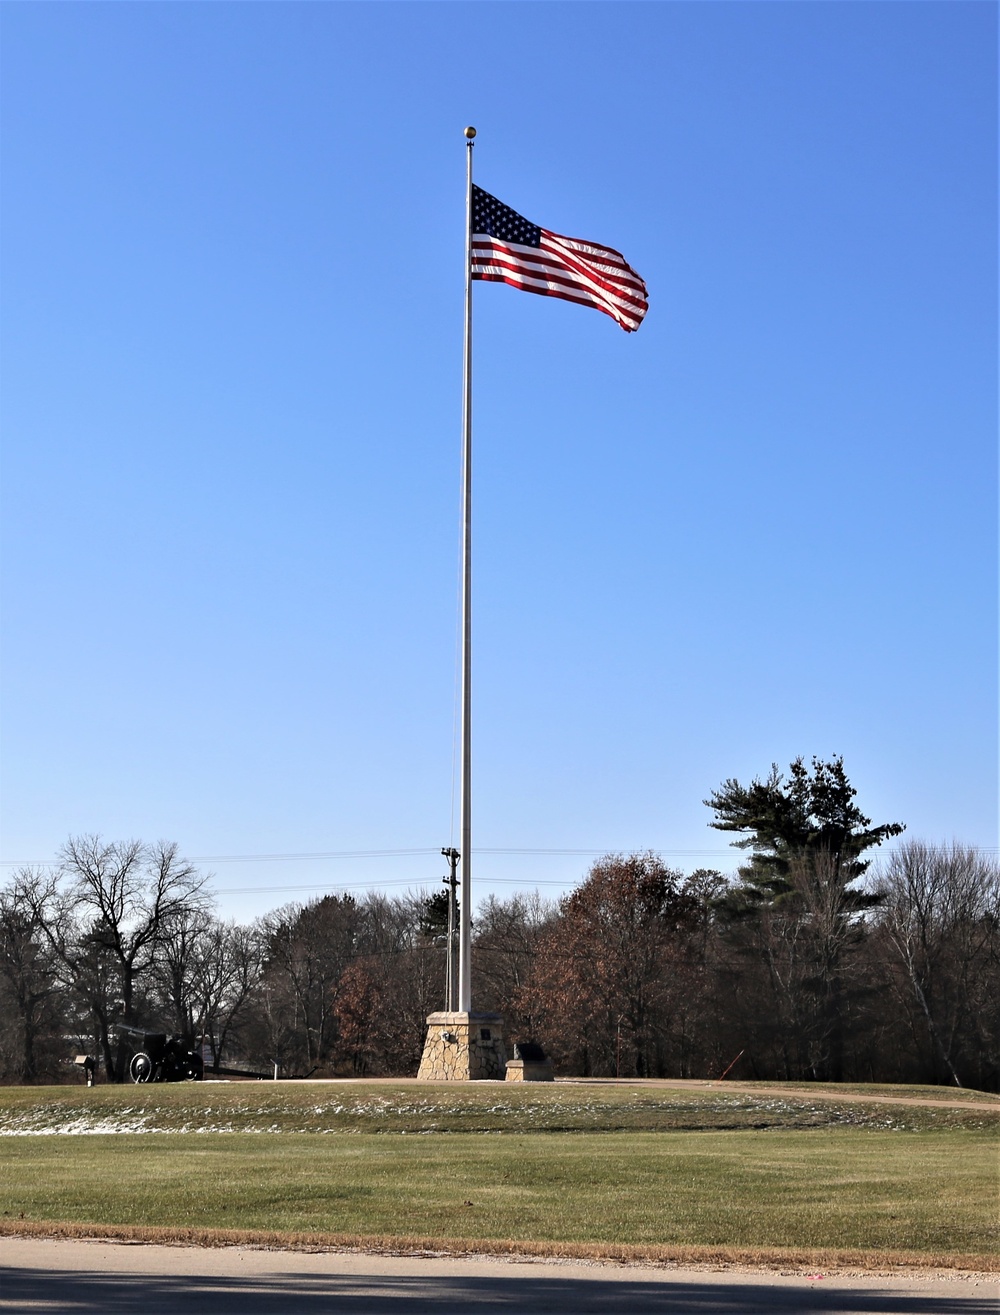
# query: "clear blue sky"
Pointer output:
{"type": "Point", "coordinates": [764, 525]}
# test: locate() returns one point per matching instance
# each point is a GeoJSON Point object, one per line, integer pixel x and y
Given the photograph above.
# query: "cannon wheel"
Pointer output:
{"type": "Point", "coordinates": [141, 1067]}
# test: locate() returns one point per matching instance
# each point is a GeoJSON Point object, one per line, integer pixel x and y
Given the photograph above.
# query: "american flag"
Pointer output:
{"type": "Point", "coordinates": [507, 248]}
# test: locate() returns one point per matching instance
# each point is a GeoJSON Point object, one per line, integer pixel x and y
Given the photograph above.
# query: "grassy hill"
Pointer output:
{"type": "Point", "coordinates": [646, 1170]}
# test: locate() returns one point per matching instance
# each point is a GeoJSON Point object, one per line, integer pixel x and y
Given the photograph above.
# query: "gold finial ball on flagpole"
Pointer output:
{"type": "Point", "coordinates": [470, 133]}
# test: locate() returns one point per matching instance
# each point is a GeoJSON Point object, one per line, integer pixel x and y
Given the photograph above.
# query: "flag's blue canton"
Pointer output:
{"type": "Point", "coordinates": [492, 217]}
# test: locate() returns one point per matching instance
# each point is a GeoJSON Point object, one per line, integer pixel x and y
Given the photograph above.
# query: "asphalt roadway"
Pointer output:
{"type": "Point", "coordinates": [39, 1276]}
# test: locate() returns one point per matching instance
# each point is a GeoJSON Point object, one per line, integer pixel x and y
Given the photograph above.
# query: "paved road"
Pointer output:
{"type": "Point", "coordinates": [45, 1277]}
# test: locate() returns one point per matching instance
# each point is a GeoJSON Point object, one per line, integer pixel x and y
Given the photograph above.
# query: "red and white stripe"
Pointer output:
{"type": "Point", "coordinates": [584, 272]}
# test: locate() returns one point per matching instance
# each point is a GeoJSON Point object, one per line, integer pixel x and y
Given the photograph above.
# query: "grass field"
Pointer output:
{"type": "Point", "coordinates": [360, 1107]}
{"type": "Point", "coordinates": [650, 1166]}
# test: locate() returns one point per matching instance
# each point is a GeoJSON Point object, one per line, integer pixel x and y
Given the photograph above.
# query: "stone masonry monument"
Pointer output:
{"type": "Point", "coordinates": [463, 1047]}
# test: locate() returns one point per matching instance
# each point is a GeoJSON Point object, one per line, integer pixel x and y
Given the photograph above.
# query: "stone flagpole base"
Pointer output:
{"type": "Point", "coordinates": [463, 1048]}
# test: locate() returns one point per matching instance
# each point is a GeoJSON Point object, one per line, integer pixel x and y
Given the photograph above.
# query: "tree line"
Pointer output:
{"type": "Point", "coordinates": [810, 962]}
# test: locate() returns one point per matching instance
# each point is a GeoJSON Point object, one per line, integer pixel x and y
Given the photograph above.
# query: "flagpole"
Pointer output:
{"type": "Point", "coordinates": [465, 920]}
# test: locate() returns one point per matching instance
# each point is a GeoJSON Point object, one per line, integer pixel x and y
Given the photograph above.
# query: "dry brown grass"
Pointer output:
{"type": "Point", "coordinates": [714, 1257]}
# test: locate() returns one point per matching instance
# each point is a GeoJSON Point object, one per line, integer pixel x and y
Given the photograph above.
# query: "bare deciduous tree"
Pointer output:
{"type": "Point", "coordinates": [106, 914]}
{"type": "Point", "coordinates": [30, 995]}
{"type": "Point", "coordinates": [940, 914]}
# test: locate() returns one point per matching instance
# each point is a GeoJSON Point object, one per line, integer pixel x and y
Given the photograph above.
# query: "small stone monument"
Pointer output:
{"type": "Point", "coordinates": [463, 1047]}
{"type": "Point", "coordinates": [530, 1064]}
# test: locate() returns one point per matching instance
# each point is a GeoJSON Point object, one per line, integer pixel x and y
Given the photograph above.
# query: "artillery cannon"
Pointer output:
{"type": "Point", "coordinates": [162, 1058]}
{"type": "Point", "coordinates": [159, 1057]}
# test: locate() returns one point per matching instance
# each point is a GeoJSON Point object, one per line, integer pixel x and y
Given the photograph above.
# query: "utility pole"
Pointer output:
{"type": "Point", "coordinates": [451, 881]}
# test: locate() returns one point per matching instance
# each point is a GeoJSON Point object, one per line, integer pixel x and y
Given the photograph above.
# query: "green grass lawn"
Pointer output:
{"type": "Point", "coordinates": [842, 1188]}
{"type": "Point", "coordinates": [557, 1164]}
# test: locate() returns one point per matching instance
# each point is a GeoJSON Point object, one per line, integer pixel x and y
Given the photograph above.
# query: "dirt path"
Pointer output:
{"type": "Point", "coordinates": [812, 1093]}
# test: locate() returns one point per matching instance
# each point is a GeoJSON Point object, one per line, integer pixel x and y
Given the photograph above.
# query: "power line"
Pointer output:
{"type": "Point", "coordinates": [371, 885]}
{"type": "Point", "coordinates": [404, 853]}
{"type": "Point", "coordinates": [508, 851]}
{"type": "Point", "coordinates": [262, 858]}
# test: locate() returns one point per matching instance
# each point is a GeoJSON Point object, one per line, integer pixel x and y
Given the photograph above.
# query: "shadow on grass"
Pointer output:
{"type": "Point", "coordinates": [45, 1293]}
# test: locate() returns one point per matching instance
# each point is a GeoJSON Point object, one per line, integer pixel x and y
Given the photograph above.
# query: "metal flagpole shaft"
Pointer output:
{"type": "Point", "coordinates": [465, 915]}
